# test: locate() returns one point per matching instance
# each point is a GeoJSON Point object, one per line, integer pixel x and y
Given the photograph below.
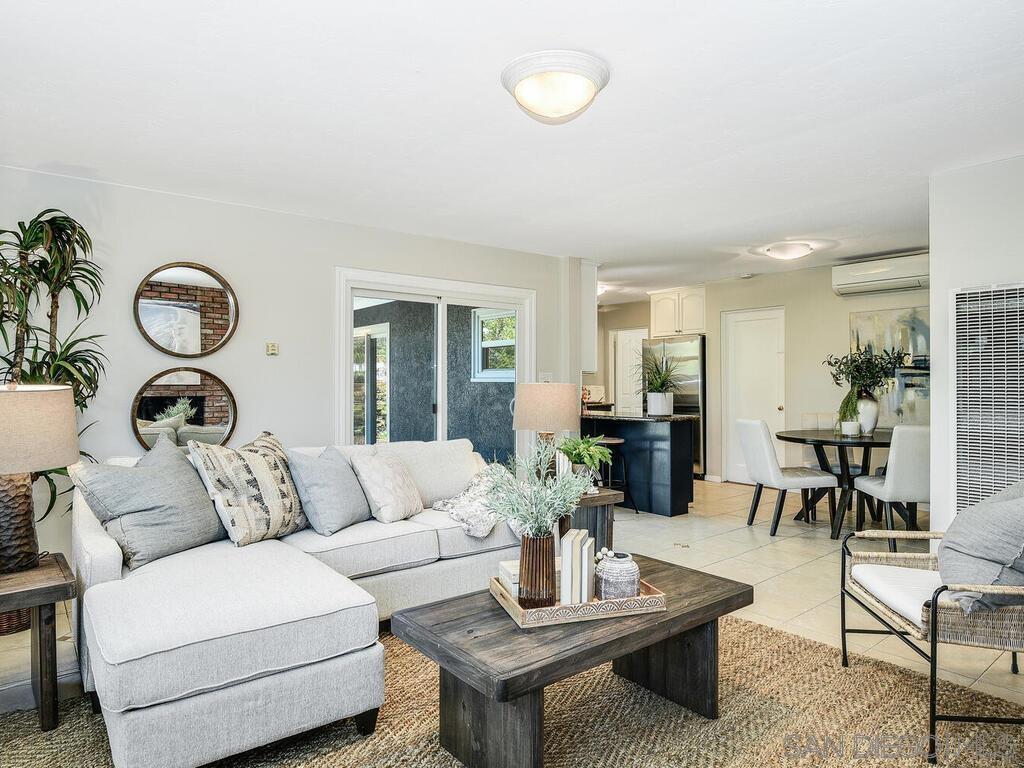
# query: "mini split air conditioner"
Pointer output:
{"type": "Point", "coordinates": [904, 273]}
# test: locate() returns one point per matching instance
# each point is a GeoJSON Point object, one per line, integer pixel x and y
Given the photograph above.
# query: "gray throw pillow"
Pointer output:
{"type": "Point", "coordinates": [985, 545]}
{"type": "Point", "coordinates": [331, 495]}
{"type": "Point", "coordinates": [154, 509]}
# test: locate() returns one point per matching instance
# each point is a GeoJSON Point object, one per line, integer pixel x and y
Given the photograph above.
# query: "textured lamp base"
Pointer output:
{"type": "Point", "coordinates": [19, 548]}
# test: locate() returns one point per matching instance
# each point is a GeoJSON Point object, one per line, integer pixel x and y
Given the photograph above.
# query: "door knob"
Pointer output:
{"type": "Point", "coordinates": [781, 408]}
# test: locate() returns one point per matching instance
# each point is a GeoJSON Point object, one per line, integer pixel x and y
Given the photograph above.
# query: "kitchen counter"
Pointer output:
{"type": "Point", "coordinates": [657, 455]}
{"type": "Point", "coordinates": [612, 415]}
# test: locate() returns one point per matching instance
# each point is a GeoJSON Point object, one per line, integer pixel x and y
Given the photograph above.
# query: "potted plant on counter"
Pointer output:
{"type": "Point", "coordinates": [661, 379]}
{"type": "Point", "coordinates": [864, 372]}
{"type": "Point", "coordinates": [532, 504]}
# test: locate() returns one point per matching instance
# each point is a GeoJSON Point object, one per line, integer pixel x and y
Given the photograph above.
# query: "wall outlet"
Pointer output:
{"type": "Point", "coordinates": [545, 377]}
{"type": "Point", "coordinates": [273, 350]}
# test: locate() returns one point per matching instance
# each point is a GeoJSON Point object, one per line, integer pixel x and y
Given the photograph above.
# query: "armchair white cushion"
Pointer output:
{"type": "Point", "coordinates": [903, 590]}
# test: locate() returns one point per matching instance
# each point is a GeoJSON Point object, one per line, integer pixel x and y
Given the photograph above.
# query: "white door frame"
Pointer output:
{"type": "Point", "coordinates": [348, 281]}
{"type": "Point", "coordinates": [727, 417]}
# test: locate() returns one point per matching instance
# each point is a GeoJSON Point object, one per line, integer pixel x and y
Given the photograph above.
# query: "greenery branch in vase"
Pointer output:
{"type": "Point", "coordinates": [864, 372]}
{"type": "Point", "coordinates": [43, 261]}
{"type": "Point", "coordinates": [587, 456]}
{"type": "Point", "coordinates": [532, 503]}
{"type": "Point", "coordinates": [661, 380]}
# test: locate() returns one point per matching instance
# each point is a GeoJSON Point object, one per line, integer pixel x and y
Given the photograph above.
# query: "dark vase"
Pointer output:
{"type": "Point", "coordinates": [537, 572]}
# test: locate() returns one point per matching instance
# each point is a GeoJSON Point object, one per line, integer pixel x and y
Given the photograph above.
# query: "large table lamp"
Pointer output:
{"type": "Point", "coordinates": [38, 431]}
{"type": "Point", "coordinates": [547, 408]}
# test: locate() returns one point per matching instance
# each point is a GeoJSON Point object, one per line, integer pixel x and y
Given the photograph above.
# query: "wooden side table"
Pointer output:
{"type": "Point", "coordinates": [596, 513]}
{"type": "Point", "coordinates": [41, 589]}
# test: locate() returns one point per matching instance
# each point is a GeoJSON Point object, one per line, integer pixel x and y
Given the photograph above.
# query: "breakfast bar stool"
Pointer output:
{"type": "Point", "coordinates": [614, 444]}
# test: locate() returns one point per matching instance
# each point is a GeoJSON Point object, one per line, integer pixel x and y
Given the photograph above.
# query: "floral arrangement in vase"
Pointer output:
{"type": "Point", "coordinates": [532, 499]}
{"type": "Point", "coordinates": [864, 372]}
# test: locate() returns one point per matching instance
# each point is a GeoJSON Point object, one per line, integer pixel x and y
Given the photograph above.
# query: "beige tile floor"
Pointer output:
{"type": "Point", "coordinates": [795, 577]}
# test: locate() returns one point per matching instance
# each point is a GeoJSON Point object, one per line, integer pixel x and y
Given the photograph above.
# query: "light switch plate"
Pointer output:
{"type": "Point", "coordinates": [273, 349]}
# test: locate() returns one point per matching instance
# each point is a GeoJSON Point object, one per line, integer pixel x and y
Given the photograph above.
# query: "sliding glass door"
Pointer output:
{"type": "Point", "coordinates": [401, 393]}
{"type": "Point", "coordinates": [481, 377]}
{"type": "Point", "coordinates": [394, 391]}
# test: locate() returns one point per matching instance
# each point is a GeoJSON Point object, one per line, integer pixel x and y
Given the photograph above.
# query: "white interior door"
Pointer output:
{"type": "Point", "coordinates": [629, 346]}
{"type": "Point", "coordinates": [753, 379]}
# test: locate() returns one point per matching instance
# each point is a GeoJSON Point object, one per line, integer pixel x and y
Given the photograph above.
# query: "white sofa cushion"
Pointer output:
{"type": "Point", "coordinates": [370, 547]}
{"type": "Point", "coordinates": [216, 616]}
{"type": "Point", "coordinates": [440, 469]}
{"type": "Point", "coordinates": [388, 486]}
{"type": "Point", "coordinates": [453, 541]}
{"type": "Point", "coordinates": [903, 590]}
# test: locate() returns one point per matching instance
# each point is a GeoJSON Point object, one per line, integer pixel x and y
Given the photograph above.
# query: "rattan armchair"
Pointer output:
{"type": "Point", "coordinates": [939, 621]}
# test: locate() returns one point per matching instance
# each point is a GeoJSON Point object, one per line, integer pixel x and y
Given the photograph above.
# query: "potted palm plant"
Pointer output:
{"type": "Point", "coordinates": [661, 379]}
{"type": "Point", "coordinates": [532, 504]}
{"type": "Point", "coordinates": [863, 372]}
{"type": "Point", "coordinates": [41, 262]}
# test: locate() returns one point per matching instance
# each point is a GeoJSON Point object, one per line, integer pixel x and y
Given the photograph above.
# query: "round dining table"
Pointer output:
{"type": "Point", "coordinates": [819, 439]}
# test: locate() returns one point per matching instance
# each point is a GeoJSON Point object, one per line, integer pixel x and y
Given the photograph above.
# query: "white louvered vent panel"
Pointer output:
{"type": "Point", "coordinates": [989, 344]}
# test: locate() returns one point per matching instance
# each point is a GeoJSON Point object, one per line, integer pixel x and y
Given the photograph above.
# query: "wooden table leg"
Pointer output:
{"type": "Point", "coordinates": [44, 664]}
{"type": "Point", "coordinates": [483, 733]}
{"type": "Point", "coordinates": [682, 668]}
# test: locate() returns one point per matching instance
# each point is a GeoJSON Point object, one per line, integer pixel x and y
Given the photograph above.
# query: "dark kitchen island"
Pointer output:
{"type": "Point", "coordinates": [659, 452]}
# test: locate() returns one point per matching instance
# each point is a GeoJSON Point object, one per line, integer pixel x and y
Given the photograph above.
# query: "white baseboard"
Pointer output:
{"type": "Point", "coordinates": [713, 478]}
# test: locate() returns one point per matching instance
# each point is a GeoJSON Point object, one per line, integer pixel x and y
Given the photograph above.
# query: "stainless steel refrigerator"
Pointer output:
{"type": "Point", "coordinates": [688, 354]}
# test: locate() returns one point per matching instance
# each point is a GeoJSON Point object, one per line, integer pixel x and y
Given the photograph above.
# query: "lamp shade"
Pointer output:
{"type": "Point", "coordinates": [547, 407]}
{"type": "Point", "coordinates": [38, 429]}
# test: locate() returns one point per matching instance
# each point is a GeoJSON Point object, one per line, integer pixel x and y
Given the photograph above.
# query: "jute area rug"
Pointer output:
{"type": "Point", "coordinates": [785, 701]}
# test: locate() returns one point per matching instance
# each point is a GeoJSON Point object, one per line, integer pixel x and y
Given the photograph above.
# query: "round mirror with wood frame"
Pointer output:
{"type": "Point", "coordinates": [184, 404]}
{"type": "Point", "coordinates": [185, 309]}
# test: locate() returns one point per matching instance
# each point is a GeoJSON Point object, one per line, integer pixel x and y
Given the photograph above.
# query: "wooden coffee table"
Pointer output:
{"type": "Point", "coordinates": [493, 673]}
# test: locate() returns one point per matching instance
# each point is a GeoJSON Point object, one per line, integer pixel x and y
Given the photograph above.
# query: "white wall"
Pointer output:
{"type": "Point", "coordinates": [977, 238]}
{"type": "Point", "coordinates": [283, 269]}
{"type": "Point", "coordinates": [817, 324]}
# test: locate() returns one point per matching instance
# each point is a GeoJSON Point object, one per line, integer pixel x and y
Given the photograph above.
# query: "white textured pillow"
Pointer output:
{"type": "Point", "coordinates": [388, 487]}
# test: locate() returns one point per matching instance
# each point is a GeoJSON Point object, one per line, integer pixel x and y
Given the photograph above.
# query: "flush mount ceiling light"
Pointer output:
{"type": "Point", "coordinates": [786, 250]}
{"type": "Point", "coordinates": [555, 86]}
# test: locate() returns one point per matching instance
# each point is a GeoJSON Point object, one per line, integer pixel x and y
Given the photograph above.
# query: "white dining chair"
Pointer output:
{"type": "Point", "coordinates": [763, 468]}
{"type": "Point", "coordinates": [907, 478]}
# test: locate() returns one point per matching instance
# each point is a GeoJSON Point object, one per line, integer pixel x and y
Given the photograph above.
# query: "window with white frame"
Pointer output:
{"type": "Point", "coordinates": [494, 345]}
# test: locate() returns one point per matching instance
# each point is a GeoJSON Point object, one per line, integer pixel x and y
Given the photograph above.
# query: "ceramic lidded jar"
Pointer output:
{"type": "Point", "coordinates": [617, 576]}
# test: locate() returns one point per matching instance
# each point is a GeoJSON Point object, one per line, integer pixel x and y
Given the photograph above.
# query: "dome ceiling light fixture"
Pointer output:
{"type": "Point", "coordinates": [787, 250]}
{"type": "Point", "coordinates": [554, 87]}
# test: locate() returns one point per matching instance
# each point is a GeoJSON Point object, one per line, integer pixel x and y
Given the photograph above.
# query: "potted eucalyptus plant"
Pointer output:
{"type": "Point", "coordinates": [661, 380]}
{"type": "Point", "coordinates": [43, 261]}
{"type": "Point", "coordinates": [532, 504]}
{"type": "Point", "coordinates": [864, 372]}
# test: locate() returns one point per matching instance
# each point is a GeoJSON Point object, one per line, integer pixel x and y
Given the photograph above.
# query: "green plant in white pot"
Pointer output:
{"type": "Point", "coordinates": [587, 455]}
{"type": "Point", "coordinates": [661, 380]}
{"type": "Point", "coordinates": [864, 372]}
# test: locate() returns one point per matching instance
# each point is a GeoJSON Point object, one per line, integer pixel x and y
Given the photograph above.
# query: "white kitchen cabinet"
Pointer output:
{"type": "Point", "coordinates": [677, 311]}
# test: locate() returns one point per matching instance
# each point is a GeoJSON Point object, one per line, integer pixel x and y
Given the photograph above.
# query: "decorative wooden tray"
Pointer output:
{"type": "Point", "coordinates": [650, 600]}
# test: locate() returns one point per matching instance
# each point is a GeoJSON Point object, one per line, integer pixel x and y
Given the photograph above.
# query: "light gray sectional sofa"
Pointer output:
{"type": "Point", "coordinates": [220, 649]}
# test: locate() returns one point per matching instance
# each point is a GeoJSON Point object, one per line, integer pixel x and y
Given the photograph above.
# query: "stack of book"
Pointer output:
{"type": "Point", "coordinates": [508, 575]}
{"type": "Point", "coordinates": [576, 578]}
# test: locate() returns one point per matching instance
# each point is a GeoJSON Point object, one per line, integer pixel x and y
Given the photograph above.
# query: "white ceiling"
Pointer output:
{"type": "Point", "coordinates": [725, 125]}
